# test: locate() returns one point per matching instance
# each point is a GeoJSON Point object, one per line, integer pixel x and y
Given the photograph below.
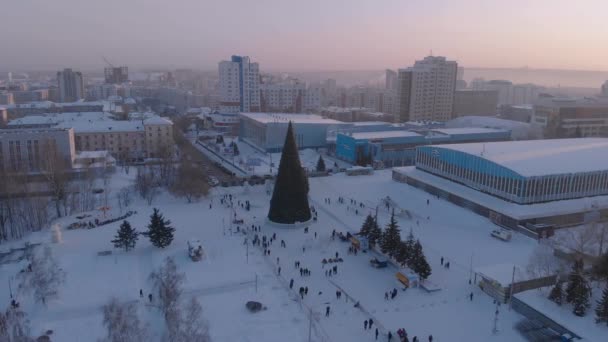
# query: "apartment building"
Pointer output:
{"type": "Point", "coordinates": [27, 149]}
{"type": "Point", "coordinates": [239, 85]}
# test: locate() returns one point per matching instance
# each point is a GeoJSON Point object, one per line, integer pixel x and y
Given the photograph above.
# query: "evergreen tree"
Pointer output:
{"type": "Point", "coordinates": [574, 280]}
{"type": "Point", "coordinates": [391, 237]}
{"type": "Point", "coordinates": [159, 231]}
{"type": "Point", "coordinates": [368, 224]}
{"type": "Point", "coordinates": [557, 294]}
{"type": "Point", "coordinates": [409, 246]}
{"type": "Point", "coordinates": [126, 237]}
{"type": "Point", "coordinates": [601, 311]}
{"type": "Point", "coordinates": [403, 253]}
{"type": "Point", "coordinates": [578, 291]}
{"type": "Point", "coordinates": [418, 261]}
{"type": "Point", "coordinates": [320, 164]}
{"type": "Point", "coordinates": [375, 233]}
{"type": "Point", "coordinates": [600, 268]}
{"type": "Point", "coordinates": [289, 203]}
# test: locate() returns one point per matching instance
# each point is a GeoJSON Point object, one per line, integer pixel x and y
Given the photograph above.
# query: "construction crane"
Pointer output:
{"type": "Point", "coordinates": [107, 62]}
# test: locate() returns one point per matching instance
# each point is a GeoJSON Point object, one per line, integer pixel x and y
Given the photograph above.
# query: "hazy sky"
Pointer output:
{"type": "Point", "coordinates": [304, 34]}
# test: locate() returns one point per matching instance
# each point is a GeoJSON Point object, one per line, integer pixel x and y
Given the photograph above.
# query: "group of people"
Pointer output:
{"type": "Point", "coordinates": [392, 294]}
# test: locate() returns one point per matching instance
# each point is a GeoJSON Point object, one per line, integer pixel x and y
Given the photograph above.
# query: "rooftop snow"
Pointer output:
{"type": "Point", "coordinates": [294, 118]}
{"type": "Point", "coordinates": [157, 120]}
{"type": "Point", "coordinates": [384, 134]}
{"type": "Point", "coordinates": [542, 157]}
{"type": "Point", "coordinates": [468, 130]}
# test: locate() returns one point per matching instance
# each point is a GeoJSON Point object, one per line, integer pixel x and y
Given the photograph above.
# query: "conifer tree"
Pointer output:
{"type": "Point", "coordinates": [403, 253]}
{"type": "Point", "coordinates": [375, 233]}
{"type": "Point", "coordinates": [320, 164]}
{"type": "Point", "coordinates": [557, 294]}
{"type": "Point", "coordinates": [600, 268]}
{"type": "Point", "coordinates": [601, 311]}
{"type": "Point", "coordinates": [289, 203]}
{"type": "Point", "coordinates": [391, 237]}
{"type": "Point", "coordinates": [126, 236]}
{"type": "Point", "coordinates": [578, 291]}
{"type": "Point", "coordinates": [418, 261]}
{"type": "Point", "coordinates": [159, 231]}
{"type": "Point", "coordinates": [368, 224]}
{"type": "Point", "coordinates": [409, 246]}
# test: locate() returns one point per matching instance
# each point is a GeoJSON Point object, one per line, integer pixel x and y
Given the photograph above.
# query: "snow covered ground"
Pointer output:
{"type": "Point", "coordinates": [226, 279]}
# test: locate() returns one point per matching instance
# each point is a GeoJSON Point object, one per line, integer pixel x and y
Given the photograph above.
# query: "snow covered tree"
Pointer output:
{"type": "Point", "coordinates": [601, 311]}
{"type": "Point", "coordinates": [45, 276]}
{"type": "Point", "coordinates": [368, 224]}
{"type": "Point", "coordinates": [168, 284]}
{"type": "Point", "coordinates": [122, 323]}
{"type": "Point", "coordinates": [56, 233]}
{"type": "Point", "coordinates": [159, 231]}
{"type": "Point", "coordinates": [289, 202]}
{"type": "Point", "coordinates": [418, 261]}
{"type": "Point", "coordinates": [14, 326]}
{"type": "Point", "coordinates": [578, 291]}
{"type": "Point", "coordinates": [126, 237]}
{"type": "Point", "coordinates": [557, 294]}
{"type": "Point", "coordinates": [188, 324]}
{"type": "Point", "coordinates": [375, 233]}
{"type": "Point", "coordinates": [320, 164]}
{"type": "Point", "coordinates": [391, 237]}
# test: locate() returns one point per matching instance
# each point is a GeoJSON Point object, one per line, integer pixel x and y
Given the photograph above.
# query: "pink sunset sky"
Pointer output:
{"type": "Point", "coordinates": [305, 34]}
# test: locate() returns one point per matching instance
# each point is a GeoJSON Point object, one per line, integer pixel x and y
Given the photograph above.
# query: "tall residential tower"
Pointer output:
{"type": "Point", "coordinates": [239, 85]}
{"type": "Point", "coordinates": [71, 85]}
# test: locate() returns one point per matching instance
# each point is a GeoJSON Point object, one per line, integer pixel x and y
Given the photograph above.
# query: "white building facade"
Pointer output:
{"type": "Point", "coordinates": [432, 89]}
{"type": "Point", "coordinates": [239, 85]}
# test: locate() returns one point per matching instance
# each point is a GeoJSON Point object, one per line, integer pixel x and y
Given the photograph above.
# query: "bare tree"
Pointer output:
{"type": "Point", "coordinates": [122, 323]}
{"type": "Point", "coordinates": [543, 262]}
{"type": "Point", "coordinates": [54, 168]}
{"type": "Point", "coordinates": [193, 327]}
{"type": "Point", "coordinates": [146, 184]}
{"type": "Point", "coordinates": [168, 283]}
{"type": "Point", "coordinates": [44, 276]}
{"type": "Point", "coordinates": [14, 326]}
{"type": "Point", "coordinates": [581, 239]}
{"type": "Point", "coordinates": [124, 198]}
{"type": "Point", "coordinates": [190, 182]}
{"type": "Point", "coordinates": [166, 155]}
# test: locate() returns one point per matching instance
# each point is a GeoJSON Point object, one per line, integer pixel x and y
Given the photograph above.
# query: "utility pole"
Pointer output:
{"type": "Point", "coordinates": [471, 269]}
{"type": "Point", "coordinates": [511, 289]}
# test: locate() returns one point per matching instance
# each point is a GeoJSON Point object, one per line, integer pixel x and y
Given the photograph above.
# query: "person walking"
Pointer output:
{"type": "Point", "coordinates": [150, 297]}
{"type": "Point", "coordinates": [430, 338]}
{"type": "Point", "coordinates": [291, 284]}
{"type": "Point", "coordinates": [141, 293]}
{"type": "Point", "coordinates": [441, 261]}
{"type": "Point", "coordinates": [279, 271]}
{"type": "Point", "coordinates": [365, 325]}
{"type": "Point", "coordinates": [376, 334]}
{"type": "Point", "coordinates": [371, 322]}
{"type": "Point", "coordinates": [390, 336]}
{"type": "Point", "coordinates": [471, 297]}
{"type": "Point", "coordinates": [327, 311]}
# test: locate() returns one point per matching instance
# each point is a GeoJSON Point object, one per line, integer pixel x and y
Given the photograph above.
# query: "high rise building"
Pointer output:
{"type": "Point", "coordinates": [239, 85]}
{"type": "Point", "coordinates": [426, 90]}
{"type": "Point", "coordinates": [116, 75]}
{"type": "Point", "coordinates": [391, 79]}
{"type": "Point", "coordinates": [604, 92]}
{"type": "Point", "coordinates": [71, 85]}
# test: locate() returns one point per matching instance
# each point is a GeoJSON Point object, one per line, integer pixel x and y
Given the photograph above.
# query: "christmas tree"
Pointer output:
{"type": "Point", "coordinates": [126, 237]}
{"type": "Point", "coordinates": [601, 312]}
{"type": "Point", "coordinates": [557, 294]}
{"type": "Point", "coordinates": [391, 237]}
{"type": "Point", "coordinates": [418, 261]}
{"type": "Point", "coordinates": [159, 231]}
{"type": "Point", "coordinates": [289, 203]}
{"type": "Point", "coordinates": [409, 243]}
{"type": "Point", "coordinates": [320, 164]}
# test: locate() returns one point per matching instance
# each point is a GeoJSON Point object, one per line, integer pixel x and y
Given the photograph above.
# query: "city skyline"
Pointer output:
{"type": "Point", "coordinates": [322, 36]}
